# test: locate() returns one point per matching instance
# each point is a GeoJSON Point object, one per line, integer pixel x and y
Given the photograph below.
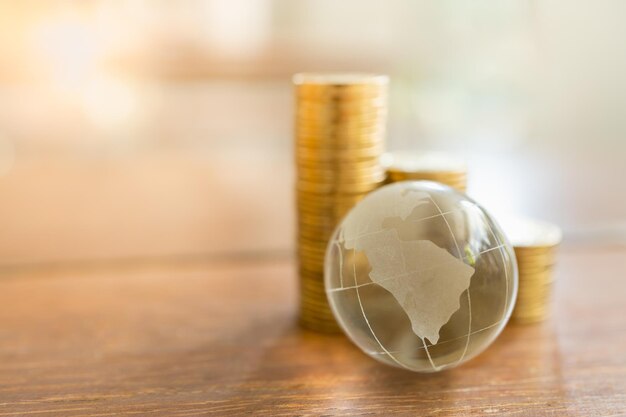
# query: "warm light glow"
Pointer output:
{"type": "Point", "coordinates": [72, 52]}
{"type": "Point", "coordinates": [237, 27]}
{"type": "Point", "coordinates": [109, 102]}
{"type": "Point", "coordinates": [69, 49]}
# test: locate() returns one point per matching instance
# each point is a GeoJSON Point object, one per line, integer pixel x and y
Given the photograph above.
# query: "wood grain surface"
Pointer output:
{"type": "Point", "coordinates": [218, 337]}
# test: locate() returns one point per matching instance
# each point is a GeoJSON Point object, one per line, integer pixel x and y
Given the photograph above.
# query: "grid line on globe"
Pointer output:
{"type": "Point", "coordinates": [493, 283]}
{"type": "Point", "coordinates": [467, 292]}
{"type": "Point", "coordinates": [340, 124]}
{"type": "Point", "coordinates": [466, 336]}
{"type": "Point", "coordinates": [506, 271]}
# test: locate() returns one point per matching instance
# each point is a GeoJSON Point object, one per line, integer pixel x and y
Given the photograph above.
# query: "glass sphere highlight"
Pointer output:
{"type": "Point", "coordinates": [419, 276]}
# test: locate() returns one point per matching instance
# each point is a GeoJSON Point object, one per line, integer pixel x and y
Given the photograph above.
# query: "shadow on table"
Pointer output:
{"type": "Point", "coordinates": [320, 373]}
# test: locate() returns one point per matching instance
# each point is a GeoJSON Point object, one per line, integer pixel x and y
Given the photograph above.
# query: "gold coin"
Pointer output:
{"type": "Point", "coordinates": [329, 106]}
{"type": "Point", "coordinates": [453, 178]}
{"type": "Point", "coordinates": [311, 277]}
{"type": "Point", "coordinates": [364, 113]}
{"type": "Point", "coordinates": [313, 292]}
{"type": "Point", "coordinates": [320, 307]}
{"type": "Point", "coordinates": [458, 185]}
{"type": "Point", "coordinates": [338, 161]}
{"type": "Point", "coordinates": [330, 212]}
{"type": "Point", "coordinates": [534, 252]}
{"type": "Point", "coordinates": [313, 299]}
{"type": "Point", "coordinates": [336, 136]}
{"type": "Point", "coordinates": [342, 140]}
{"type": "Point", "coordinates": [340, 176]}
{"type": "Point", "coordinates": [307, 323]}
{"type": "Point", "coordinates": [314, 258]}
{"type": "Point", "coordinates": [308, 239]}
{"type": "Point", "coordinates": [313, 266]}
{"type": "Point", "coordinates": [376, 124]}
{"type": "Point", "coordinates": [346, 111]}
{"type": "Point", "coordinates": [317, 318]}
{"type": "Point", "coordinates": [311, 269]}
{"type": "Point", "coordinates": [312, 249]}
{"type": "Point", "coordinates": [344, 94]}
{"type": "Point", "coordinates": [339, 137]}
{"type": "Point", "coordinates": [343, 81]}
{"type": "Point", "coordinates": [536, 261]}
{"type": "Point", "coordinates": [310, 266]}
{"type": "Point", "coordinates": [535, 245]}
{"type": "Point", "coordinates": [335, 214]}
{"type": "Point", "coordinates": [340, 168]}
{"type": "Point", "coordinates": [324, 124]}
{"type": "Point", "coordinates": [317, 221]}
{"type": "Point", "coordinates": [411, 162]}
{"type": "Point", "coordinates": [312, 221]}
{"type": "Point", "coordinates": [318, 312]}
{"type": "Point", "coordinates": [341, 188]}
{"type": "Point", "coordinates": [340, 93]}
{"type": "Point", "coordinates": [357, 108]}
{"type": "Point", "coordinates": [331, 96]}
{"type": "Point", "coordinates": [322, 205]}
{"type": "Point", "coordinates": [460, 180]}
{"type": "Point", "coordinates": [321, 201]}
{"type": "Point", "coordinates": [312, 183]}
{"type": "Point", "coordinates": [346, 156]}
{"type": "Point", "coordinates": [313, 233]}
{"type": "Point", "coordinates": [332, 100]}
{"type": "Point", "coordinates": [333, 154]}
{"type": "Point", "coordinates": [345, 179]}
{"type": "Point", "coordinates": [312, 254]}
{"type": "Point", "coordinates": [418, 175]}
{"type": "Point", "coordinates": [336, 164]}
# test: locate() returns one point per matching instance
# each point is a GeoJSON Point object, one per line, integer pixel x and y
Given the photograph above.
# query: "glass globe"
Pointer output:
{"type": "Point", "coordinates": [419, 276]}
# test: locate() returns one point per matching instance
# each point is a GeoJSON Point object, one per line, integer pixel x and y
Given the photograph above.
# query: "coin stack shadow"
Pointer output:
{"type": "Point", "coordinates": [535, 270]}
{"type": "Point", "coordinates": [340, 135]}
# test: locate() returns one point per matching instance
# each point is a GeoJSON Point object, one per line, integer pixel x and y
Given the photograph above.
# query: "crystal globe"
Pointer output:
{"type": "Point", "coordinates": [420, 277]}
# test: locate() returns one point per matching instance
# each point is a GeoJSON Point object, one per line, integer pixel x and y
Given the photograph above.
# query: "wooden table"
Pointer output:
{"type": "Point", "coordinates": [194, 337]}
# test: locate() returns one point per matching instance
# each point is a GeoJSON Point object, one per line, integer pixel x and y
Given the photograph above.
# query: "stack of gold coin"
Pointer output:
{"type": "Point", "coordinates": [339, 135]}
{"type": "Point", "coordinates": [431, 166]}
{"type": "Point", "coordinates": [535, 245]}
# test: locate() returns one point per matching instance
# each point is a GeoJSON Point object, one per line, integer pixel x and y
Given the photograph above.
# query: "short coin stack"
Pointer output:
{"type": "Point", "coordinates": [431, 166]}
{"type": "Point", "coordinates": [339, 135]}
{"type": "Point", "coordinates": [535, 245]}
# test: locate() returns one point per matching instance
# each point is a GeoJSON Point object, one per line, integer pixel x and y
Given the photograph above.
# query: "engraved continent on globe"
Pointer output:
{"type": "Point", "coordinates": [425, 279]}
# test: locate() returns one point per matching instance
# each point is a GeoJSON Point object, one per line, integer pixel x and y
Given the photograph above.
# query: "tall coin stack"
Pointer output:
{"type": "Point", "coordinates": [431, 166]}
{"type": "Point", "coordinates": [340, 135]}
{"type": "Point", "coordinates": [535, 244]}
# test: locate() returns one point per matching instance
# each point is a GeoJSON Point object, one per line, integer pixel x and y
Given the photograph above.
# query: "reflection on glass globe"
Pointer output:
{"type": "Point", "coordinates": [419, 276]}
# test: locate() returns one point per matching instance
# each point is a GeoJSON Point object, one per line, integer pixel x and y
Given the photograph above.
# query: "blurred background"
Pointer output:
{"type": "Point", "coordinates": [139, 129]}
